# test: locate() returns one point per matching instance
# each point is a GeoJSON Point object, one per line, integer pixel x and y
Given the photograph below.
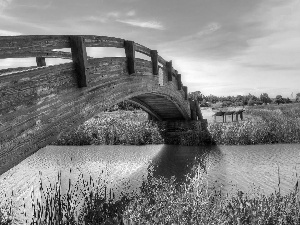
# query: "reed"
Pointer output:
{"type": "Point", "coordinates": [164, 202]}
{"type": "Point", "coordinates": [161, 201]}
{"type": "Point", "coordinates": [118, 128]}
{"type": "Point", "coordinates": [264, 125]}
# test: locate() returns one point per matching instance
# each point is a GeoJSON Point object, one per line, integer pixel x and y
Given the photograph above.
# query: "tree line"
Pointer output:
{"type": "Point", "coordinates": [240, 100]}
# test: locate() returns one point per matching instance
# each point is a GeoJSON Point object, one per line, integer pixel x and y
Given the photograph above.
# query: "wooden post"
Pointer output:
{"type": "Point", "coordinates": [40, 61]}
{"type": "Point", "coordinates": [130, 55]}
{"type": "Point", "coordinates": [79, 58]}
{"type": "Point", "coordinates": [198, 111]}
{"type": "Point", "coordinates": [169, 70]}
{"type": "Point", "coordinates": [179, 81]}
{"type": "Point", "coordinates": [154, 59]}
{"type": "Point", "coordinates": [184, 88]}
{"type": "Point", "coordinates": [193, 110]}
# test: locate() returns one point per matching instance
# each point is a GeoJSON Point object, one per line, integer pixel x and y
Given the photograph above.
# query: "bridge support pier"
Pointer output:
{"type": "Point", "coordinates": [195, 110]}
{"type": "Point", "coordinates": [192, 133]}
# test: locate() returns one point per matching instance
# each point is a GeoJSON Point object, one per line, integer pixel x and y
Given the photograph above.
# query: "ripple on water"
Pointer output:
{"type": "Point", "coordinates": [124, 168]}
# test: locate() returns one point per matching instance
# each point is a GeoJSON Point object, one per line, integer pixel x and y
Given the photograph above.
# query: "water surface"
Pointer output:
{"type": "Point", "coordinates": [122, 169]}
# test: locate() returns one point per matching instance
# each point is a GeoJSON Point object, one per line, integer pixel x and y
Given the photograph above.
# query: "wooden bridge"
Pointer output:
{"type": "Point", "coordinates": [40, 103]}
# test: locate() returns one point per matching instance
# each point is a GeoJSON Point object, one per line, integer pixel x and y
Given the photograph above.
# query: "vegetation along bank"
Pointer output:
{"type": "Point", "coordinates": [160, 201]}
{"type": "Point", "coordinates": [265, 124]}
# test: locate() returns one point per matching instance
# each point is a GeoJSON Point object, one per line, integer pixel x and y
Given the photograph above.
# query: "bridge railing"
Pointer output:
{"type": "Point", "coordinates": [46, 46]}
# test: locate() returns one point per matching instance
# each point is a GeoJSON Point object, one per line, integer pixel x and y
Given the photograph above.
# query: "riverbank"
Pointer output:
{"type": "Point", "coordinates": [131, 128]}
{"type": "Point", "coordinates": [268, 124]}
{"type": "Point", "coordinates": [160, 201]}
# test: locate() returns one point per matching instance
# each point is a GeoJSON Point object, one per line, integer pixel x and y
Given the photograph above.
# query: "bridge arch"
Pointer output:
{"type": "Point", "coordinates": [39, 103]}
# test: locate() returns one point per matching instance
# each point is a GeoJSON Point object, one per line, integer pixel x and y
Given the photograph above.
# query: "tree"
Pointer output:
{"type": "Point", "coordinates": [212, 98]}
{"type": "Point", "coordinates": [265, 98]}
{"type": "Point", "coordinates": [287, 100]}
{"type": "Point", "coordinates": [298, 97]}
{"type": "Point", "coordinates": [196, 95]}
{"type": "Point", "coordinates": [279, 99]}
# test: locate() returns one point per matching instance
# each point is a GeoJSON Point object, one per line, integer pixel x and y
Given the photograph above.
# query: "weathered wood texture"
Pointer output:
{"type": "Point", "coordinates": [179, 81]}
{"type": "Point", "coordinates": [79, 58]}
{"type": "Point", "coordinates": [38, 104]}
{"type": "Point", "coordinates": [154, 59]}
{"type": "Point", "coordinates": [29, 45]}
{"type": "Point", "coordinates": [40, 61]}
{"type": "Point", "coordinates": [169, 70]}
{"type": "Point", "coordinates": [130, 55]}
{"type": "Point", "coordinates": [142, 49]}
{"type": "Point", "coordinates": [184, 88]}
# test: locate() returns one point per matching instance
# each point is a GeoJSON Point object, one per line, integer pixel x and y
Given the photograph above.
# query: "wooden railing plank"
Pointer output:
{"type": "Point", "coordinates": [103, 41]}
{"type": "Point", "coordinates": [14, 44]}
{"type": "Point", "coordinates": [161, 60]}
{"type": "Point", "coordinates": [142, 49]}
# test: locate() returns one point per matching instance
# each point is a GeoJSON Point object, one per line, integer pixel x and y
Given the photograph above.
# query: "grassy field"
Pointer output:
{"type": "Point", "coordinates": [261, 125]}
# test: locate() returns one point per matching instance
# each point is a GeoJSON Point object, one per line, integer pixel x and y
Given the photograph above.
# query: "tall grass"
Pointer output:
{"type": "Point", "coordinates": [86, 201]}
{"type": "Point", "coordinates": [265, 125]}
{"type": "Point", "coordinates": [118, 128]}
{"type": "Point", "coordinates": [161, 201]}
{"type": "Point", "coordinates": [165, 202]}
{"type": "Point", "coordinates": [129, 128]}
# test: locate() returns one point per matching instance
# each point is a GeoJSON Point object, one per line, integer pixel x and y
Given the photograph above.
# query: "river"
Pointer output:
{"type": "Point", "coordinates": [251, 168]}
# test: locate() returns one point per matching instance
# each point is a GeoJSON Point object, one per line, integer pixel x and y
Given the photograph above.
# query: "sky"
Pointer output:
{"type": "Point", "coordinates": [221, 47]}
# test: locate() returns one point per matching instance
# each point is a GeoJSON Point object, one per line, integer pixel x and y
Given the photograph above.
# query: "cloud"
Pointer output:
{"type": "Point", "coordinates": [271, 66]}
{"type": "Point", "coordinates": [103, 19]}
{"type": "Point", "coordinates": [40, 6]}
{"type": "Point", "coordinates": [210, 28]}
{"type": "Point", "coordinates": [278, 48]}
{"type": "Point", "coordinates": [9, 33]}
{"type": "Point", "coordinates": [131, 13]}
{"type": "Point", "coordinates": [4, 4]}
{"type": "Point", "coordinates": [144, 24]}
{"type": "Point", "coordinates": [113, 14]}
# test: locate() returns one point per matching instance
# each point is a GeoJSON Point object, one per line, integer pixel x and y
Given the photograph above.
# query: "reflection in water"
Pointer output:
{"type": "Point", "coordinates": [178, 161]}
{"type": "Point", "coordinates": [123, 169]}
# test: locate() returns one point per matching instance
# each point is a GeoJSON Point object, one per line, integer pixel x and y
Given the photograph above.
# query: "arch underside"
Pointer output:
{"type": "Point", "coordinates": [158, 106]}
{"type": "Point", "coordinates": [39, 105]}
